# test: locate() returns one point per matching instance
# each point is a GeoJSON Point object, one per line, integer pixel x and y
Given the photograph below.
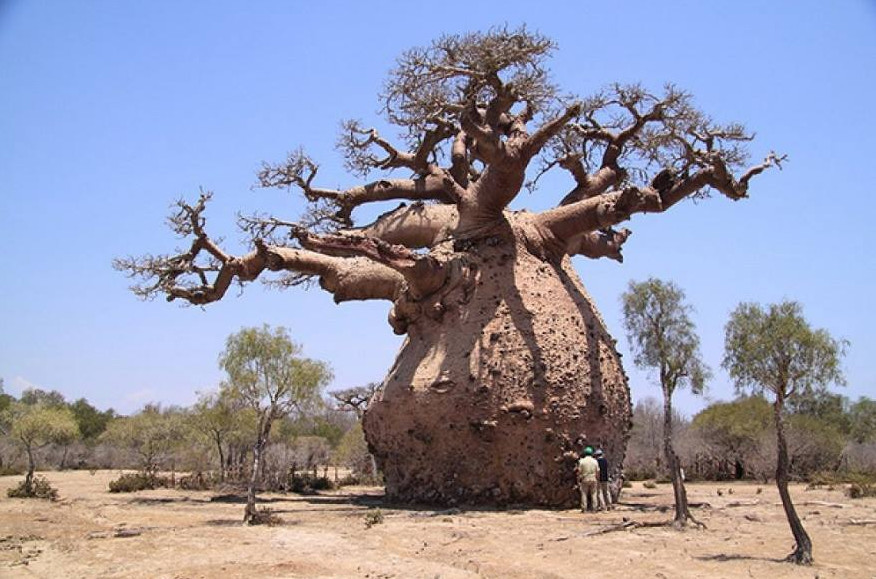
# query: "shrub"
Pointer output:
{"type": "Point", "coordinates": [40, 489]}
{"type": "Point", "coordinates": [373, 517]}
{"type": "Point", "coordinates": [649, 484]}
{"type": "Point", "coordinates": [307, 484]}
{"type": "Point", "coordinates": [133, 482]}
{"type": "Point", "coordinates": [265, 516]}
{"type": "Point", "coordinates": [10, 471]}
{"type": "Point", "coordinates": [861, 490]}
{"type": "Point", "coordinates": [196, 482]}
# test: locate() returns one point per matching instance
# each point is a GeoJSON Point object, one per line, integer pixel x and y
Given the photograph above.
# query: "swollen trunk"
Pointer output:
{"type": "Point", "coordinates": [496, 381]}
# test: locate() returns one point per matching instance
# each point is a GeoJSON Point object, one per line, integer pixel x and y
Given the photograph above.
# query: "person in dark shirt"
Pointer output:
{"type": "Point", "coordinates": [603, 496]}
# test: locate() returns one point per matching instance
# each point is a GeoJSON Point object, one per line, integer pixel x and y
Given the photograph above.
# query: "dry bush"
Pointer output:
{"type": "Point", "coordinates": [40, 489]}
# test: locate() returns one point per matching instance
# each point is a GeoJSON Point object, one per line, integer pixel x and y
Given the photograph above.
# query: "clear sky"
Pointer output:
{"type": "Point", "coordinates": [109, 111]}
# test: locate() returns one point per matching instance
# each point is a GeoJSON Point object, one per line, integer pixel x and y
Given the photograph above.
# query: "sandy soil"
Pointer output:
{"type": "Point", "coordinates": [92, 533]}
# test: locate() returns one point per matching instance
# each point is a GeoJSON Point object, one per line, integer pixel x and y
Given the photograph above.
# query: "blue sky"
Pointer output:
{"type": "Point", "coordinates": [109, 111]}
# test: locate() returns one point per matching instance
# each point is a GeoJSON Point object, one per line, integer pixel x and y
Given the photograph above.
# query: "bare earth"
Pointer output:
{"type": "Point", "coordinates": [182, 534]}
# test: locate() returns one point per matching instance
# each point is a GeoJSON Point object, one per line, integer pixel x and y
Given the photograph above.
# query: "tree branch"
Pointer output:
{"type": "Point", "coordinates": [423, 273]}
{"type": "Point", "coordinates": [597, 244]}
{"type": "Point", "coordinates": [300, 171]}
{"type": "Point", "coordinates": [414, 226]}
{"type": "Point", "coordinates": [548, 130]}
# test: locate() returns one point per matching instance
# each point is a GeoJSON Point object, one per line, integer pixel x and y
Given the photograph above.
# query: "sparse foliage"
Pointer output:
{"type": "Point", "coordinates": [774, 350]}
{"type": "Point", "coordinates": [267, 374]}
{"type": "Point", "coordinates": [36, 425]}
{"type": "Point", "coordinates": [663, 339]}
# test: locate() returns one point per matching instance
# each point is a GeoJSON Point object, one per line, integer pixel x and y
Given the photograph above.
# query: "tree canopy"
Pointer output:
{"type": "Point", "coordinates": [775, 350]}
{"type": "Point", "coordinates": [662, 335]}
{"type": "Point", "coordinates": [474, 112]}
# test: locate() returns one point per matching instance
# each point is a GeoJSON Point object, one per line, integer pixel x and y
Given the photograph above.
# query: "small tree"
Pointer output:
{"type": "Point", "coordinates": [92, 422]}
{"type": "Point", "coordinates": [774, 350]}
{"type": "Point", "coordinates": [733, 434]}
{"type": "Point", "coordinates": [862, 416]}
{"type": "Point", "coordinates": [663, 338]}
{"type": "Point", "coordinates": [152, 434]}
{"type": "Point", "coordinates": [356, 399]}
{"type": "Point", "coordinates": [267, 373]}
{"type": "Point", "coordinates": [34, 426]}
{"type": "Point", "coordinates": [218, 415]}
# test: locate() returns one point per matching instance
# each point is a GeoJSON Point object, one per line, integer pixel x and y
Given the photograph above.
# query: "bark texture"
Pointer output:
{"type": "Point", "coordinates": [496, 382]}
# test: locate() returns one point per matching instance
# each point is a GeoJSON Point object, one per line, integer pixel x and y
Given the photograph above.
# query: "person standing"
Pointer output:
{"type": "Point", "coordinates": [588, 475]}
{"type": "Point", "coordinates": [603, 495]}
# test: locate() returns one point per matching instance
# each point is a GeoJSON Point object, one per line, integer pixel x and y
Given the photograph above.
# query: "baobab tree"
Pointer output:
{"type": "Point", "coordinates": [506, 360]}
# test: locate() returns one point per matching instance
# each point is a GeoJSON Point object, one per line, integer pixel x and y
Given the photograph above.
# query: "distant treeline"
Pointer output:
{"type": "Point", "coordinates": [828, 435]}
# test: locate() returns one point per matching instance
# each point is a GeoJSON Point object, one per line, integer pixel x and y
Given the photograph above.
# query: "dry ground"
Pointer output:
{"type": "Point", "coordinates": [92, 533]}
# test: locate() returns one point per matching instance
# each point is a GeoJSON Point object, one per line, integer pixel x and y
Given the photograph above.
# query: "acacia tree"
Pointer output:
{"type": "Point", "coordinates": [267, 374]}
{"type": "Point", "coordinates": [774, 350]}
{"type": "Point", "coordinates": [663, 338]}
{"type": "Point", "coordinates": [34, 426]}
{"type": "Point", "coordinates": [506, 360]}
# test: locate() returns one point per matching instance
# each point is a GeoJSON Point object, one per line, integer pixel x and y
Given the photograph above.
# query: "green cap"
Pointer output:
{"type": "Point", "coordinates": [588, 450]}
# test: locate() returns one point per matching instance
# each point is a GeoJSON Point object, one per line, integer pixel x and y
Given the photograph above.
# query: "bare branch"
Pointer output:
{"type": "Point", "coordinates": [548, 130]}
{"type": "Point", "coordinates": [300, 171]}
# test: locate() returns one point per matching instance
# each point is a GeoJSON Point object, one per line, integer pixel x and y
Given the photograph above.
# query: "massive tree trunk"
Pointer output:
{"type": "Point", "coordinates": [496, 381]}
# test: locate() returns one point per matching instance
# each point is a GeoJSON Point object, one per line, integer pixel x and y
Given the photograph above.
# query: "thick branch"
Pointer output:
{"type": "Point", "coordinates": [600, 212]}
{"type": "Point", "coordinates": [568, 222]}
{"type": "Point", "coordinates": [424, 274]}
{"type": "Point", "coordinates": [414, 226]}
{"type": "Point", "coordinates": [548, 130]}
{"type": "Point", "coordinates": [597, 244]}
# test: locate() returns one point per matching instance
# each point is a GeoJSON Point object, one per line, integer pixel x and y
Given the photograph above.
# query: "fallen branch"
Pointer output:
{"type": "Point", "coordinates": [743, 503]}
{"type": "Point", "coordinates": [624, 526]}
{"type": "Point", "coordinates": [861, 522]}
{"type": "Point", "coordinates": [824, 504]}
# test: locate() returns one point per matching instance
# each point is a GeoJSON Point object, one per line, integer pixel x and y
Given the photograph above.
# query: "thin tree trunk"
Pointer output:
{"type": "Point", "coordinates": [221, 458]}
{"type": "Point", "coordinates": [802, 554]}
{"type": "Point", "coordinates": [28, 478]}
{"type": "Point", "coordinates": [249, 513]}
{"type": "Point", "coordinates": [682, 512]}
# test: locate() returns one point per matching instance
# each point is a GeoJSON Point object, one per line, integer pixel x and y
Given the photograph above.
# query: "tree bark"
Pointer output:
{"type": "Point", "coordinates": [682, 510]}
{"type": "Point", "coordinates": [498, 377]}
{"type": "Point", "coordinates": [802, 554]}
{"type": "Point", "coordinates": [250, 513]}
{"type": "Point", "coordinates": [221, 457]}
{"type": "Point", "coordinates": [31, 466]}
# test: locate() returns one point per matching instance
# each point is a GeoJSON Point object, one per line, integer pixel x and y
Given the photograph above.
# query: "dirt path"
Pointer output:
{"type": "Point", "coordinates": [183, 534]}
